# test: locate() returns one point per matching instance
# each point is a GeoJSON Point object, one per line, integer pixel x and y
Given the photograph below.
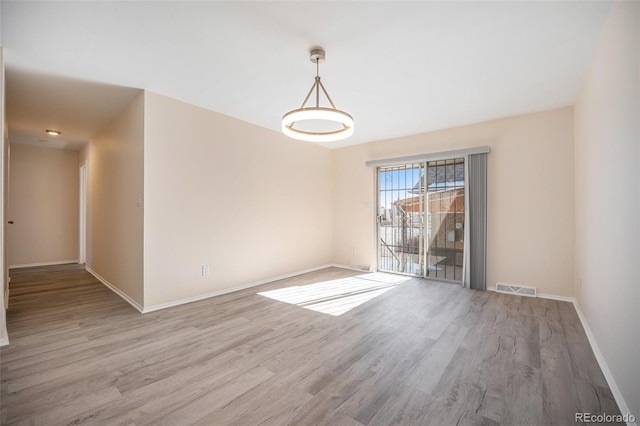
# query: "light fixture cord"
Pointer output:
{"type": "Point", "coordinates": [317, 81]}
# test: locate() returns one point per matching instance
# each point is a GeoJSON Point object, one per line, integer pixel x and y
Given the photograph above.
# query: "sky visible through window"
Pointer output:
{"type": "Point", "coordinates": [397, 184]}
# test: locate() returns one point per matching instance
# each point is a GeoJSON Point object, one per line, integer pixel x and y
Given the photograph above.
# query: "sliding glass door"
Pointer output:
{"type": "Point", "coordinates": [421, 219]}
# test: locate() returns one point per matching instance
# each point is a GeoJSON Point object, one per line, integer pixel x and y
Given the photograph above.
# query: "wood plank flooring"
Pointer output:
{"type": "Point", "coordinates": [421, 353]}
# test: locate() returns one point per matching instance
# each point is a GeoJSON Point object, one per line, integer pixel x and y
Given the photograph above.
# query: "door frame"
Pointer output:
{"type": "Point", "coordinates": [82, 214]}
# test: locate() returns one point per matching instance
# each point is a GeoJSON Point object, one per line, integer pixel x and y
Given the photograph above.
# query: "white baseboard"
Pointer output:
{"type": "Point", "coordinates": [115, 289]}
{"type": "Point", "coordinates": [556, 297]}
{"type": "Point", "coordinates": [233, 289]}
{"type": "Point", "coordinates": [545, 296]}
{"type": "Point", "coordinates": [30, 265]}
{"type": "Point", "coordinates": [4, 339]}
{"type": "Point", "coordinates": [622, 404]}
{"type": "Point", "coordinates": [338, 265]}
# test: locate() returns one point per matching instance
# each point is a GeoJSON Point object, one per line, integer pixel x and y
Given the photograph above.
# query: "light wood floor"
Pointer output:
{"type": "Point", "coordinates": [421, 353]}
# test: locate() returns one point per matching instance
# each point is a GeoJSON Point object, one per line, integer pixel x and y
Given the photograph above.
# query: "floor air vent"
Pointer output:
{"type": "Point", "coordinates": [516, 289]}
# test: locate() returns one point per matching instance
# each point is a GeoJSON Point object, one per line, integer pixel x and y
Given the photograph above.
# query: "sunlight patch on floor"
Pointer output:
{"type": "Point", "coordinates": [335, 297]}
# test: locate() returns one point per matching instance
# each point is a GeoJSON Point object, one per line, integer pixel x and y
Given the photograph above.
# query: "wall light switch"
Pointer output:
{"type": "Point", "coordinates": [205, 270]}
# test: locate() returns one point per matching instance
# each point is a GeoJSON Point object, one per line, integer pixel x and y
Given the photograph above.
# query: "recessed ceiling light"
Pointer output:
{"type": "Point", "coordinates": [53, 132]}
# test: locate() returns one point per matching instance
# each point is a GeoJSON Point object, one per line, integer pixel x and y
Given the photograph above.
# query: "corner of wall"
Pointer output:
{"type": "Point", "coordinates": [115, 158]}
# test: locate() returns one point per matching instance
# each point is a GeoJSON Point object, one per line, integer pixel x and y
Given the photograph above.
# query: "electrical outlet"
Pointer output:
{"type": "Point", "coordinates": [205, 270]}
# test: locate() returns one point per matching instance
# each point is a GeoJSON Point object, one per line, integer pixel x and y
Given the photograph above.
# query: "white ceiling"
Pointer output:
{"type": "Point", "coordinates": [399, 68]}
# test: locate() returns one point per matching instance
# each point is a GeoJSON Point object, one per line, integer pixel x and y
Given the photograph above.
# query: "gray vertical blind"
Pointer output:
{"type": "Point", "coordinates": [477, 182]}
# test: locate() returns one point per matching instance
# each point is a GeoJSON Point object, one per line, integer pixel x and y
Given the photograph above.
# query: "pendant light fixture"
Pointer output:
{"type": "Point", "coordinates": [316, 123]}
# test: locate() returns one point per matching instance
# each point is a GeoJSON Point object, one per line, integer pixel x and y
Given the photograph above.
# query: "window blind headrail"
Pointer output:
{"type": "Point", "coordinates": [434, 156]}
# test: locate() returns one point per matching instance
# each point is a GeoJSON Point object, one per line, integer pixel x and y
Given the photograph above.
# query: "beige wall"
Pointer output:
{"type": "Point", "coordinates": [249, 202]}
{"type": "Point", "coordinates": [607, 155]}
{"type": "Point", "coordinates": [4, 191]}
{"type": "Point", "coordinates": [530, 196]}
{"type": "Point", "coordinates": [43, 194]}
{"type": "Point", "coordinates": [115, 198]}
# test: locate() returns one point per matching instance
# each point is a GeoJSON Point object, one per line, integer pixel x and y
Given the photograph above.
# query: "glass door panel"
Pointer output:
{"type": "Point", "coordinates": [445, 219]}
{"type": "Point", "coordinates": [400, 219]}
